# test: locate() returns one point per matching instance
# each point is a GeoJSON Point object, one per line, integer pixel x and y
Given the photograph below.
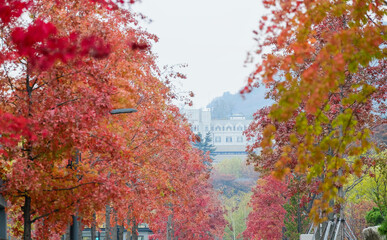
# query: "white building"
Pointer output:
{"type": "Point", "coordinates": [227, 134]}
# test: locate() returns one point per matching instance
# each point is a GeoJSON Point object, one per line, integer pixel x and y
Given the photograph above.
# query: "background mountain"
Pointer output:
{"type": "Point", "coordinates": [229, 104]}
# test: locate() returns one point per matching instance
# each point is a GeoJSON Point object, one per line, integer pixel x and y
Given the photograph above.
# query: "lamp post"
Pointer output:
{"type": "Point", "coordinates": [74, 228]}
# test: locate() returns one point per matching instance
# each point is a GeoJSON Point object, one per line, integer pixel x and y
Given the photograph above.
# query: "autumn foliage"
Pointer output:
{"type": "Point", "coordinates": [65, 66]}
{"type": "Point", "coordinates": [326, 72]}
{"type": "Point", "coordinates": [266, 220]}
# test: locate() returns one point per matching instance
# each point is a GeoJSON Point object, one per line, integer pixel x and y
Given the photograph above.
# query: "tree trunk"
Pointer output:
{"type": "Point", "coordinates": [93, 228]}
{"type": "Point", "coordinates": [27, 200]}
{"type": "Point", "coordinates": [169, 227]}
{"type": "Point", "coordinates": [121, 233]}
{"type": "Point", "coordinates": [27, 218]}
{"type": "Point", "coordinates": [74, 228]}
{"type": "Point", "coordinates": [108, 230]}
{"type": "Point", "coordinates": [173, 228]}
{"type": "Point", "coordinates": [92, 232]}
{"type": "Point", "coordinates": [133, 225]}
{"type": "Point", "coordinates": [134, 230]}
{"type": "Point", "coordinates": [67, 234]}
{"type": "Point", "coordinates": [80, 228]}
{"type": "Point", "coordinates": [114, 233]}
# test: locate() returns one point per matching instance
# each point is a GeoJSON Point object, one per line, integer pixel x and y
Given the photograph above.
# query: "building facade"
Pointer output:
{"type": "Point", "coordinates": [227, 134]}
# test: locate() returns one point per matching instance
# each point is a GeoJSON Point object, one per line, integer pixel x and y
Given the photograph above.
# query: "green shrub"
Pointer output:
{"type": "Point", "coordinates": [374, 217]}
{"type": "Point", "coordinates": [383, 228]}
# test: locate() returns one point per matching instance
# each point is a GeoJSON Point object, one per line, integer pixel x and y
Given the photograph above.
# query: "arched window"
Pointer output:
{"type": "Point", "coordinates": [218, 128]}
{"type": "Point", "coordinates": [228, 128]}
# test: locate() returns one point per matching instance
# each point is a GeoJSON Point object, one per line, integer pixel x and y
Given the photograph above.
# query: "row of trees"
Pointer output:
{"type": "Point", "coordinates": [326, 73]}
{"type": "Point", "coordinates": [64, 66]}
{"type": "Point", "coordinates": [234, 179]}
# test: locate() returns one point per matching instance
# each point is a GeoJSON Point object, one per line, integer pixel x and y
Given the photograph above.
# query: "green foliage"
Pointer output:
{"type": "Point", "coordinates": [233, 166]}
{"type": "Point", "coordinates": [379, 190]}
{"type": "Point", "coordinates": [383, 228]}
{"type": "Point", "coordinates": [372, 186]}
{"type": "Point", "coordinates": [237, 210]}
{"type": "Point", "coordinates": [296, 221]}
{"type": "Point", "coordinates": [235, 179]}
{"type": "Point", "coordinates": [368, 191]}
{"type": "Point", "coordinates": [375, 216]}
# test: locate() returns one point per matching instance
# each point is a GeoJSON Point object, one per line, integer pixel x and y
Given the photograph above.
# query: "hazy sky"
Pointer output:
{"type": "Point", "coordinates": [211, 36]}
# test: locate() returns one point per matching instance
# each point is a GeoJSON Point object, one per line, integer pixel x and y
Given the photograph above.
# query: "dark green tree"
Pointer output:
{"type": "Point", "coordinates": [296, 221]}
{"type": "Point", "coordinates": [206, 146]}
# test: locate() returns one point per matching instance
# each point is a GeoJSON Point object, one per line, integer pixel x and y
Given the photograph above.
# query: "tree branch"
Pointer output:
{"type": "Point", "coordinates": [70, 188]}
{"type": "Point", "coordinates": [63, 103]}
{"type": "Point", "coordinates": [359, 180]}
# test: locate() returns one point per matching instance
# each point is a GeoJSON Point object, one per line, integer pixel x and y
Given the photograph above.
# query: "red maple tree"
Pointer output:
{"type": "Point", "coordinates": [266, 220]}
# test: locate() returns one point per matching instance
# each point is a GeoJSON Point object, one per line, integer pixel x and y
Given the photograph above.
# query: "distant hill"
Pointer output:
{"type": "Point", "coordinates": [229, 104]}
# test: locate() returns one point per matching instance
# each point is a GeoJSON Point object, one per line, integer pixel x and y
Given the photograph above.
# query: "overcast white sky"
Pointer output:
{"type": "Point", "coordinates": [211, 36]}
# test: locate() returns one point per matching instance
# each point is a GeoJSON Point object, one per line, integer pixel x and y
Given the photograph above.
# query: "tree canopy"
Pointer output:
{"type": "Point", "coordinates": [326, 72]}
{"type": "Point", "coordinates": [65, 65]}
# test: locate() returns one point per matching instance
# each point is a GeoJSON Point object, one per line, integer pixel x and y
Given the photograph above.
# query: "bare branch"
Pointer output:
{"type": "Point", "coordinates": [349, 188]}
